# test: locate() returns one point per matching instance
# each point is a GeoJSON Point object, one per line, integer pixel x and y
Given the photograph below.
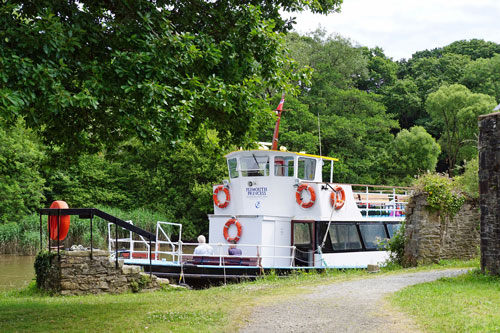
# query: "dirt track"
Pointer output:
{"type": "Point", "coordinates": [353, 306]}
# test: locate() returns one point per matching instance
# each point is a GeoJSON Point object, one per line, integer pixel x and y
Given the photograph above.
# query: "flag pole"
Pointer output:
{"type": "Point", "coordinates": [279, 109]}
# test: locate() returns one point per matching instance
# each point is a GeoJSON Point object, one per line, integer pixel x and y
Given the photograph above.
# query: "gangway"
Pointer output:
{"type": "Point", "coordinates": [90, 213]}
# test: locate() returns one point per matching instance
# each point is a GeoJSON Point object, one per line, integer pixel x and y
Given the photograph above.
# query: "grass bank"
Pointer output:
{"type": "Point", "coordinates": [218, 309]}
{"type": "Point", "coordinates": [467, 303]}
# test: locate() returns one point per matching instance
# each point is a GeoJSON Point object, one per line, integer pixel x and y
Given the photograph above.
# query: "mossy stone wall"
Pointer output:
{"type": "Point", "coordinates": [432, 236]}
{"type": "Point", "coordinates": [75, 273]}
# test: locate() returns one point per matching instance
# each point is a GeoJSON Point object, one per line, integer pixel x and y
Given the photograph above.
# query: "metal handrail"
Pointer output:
{"type": "Point", "coordinates": [90, 213]}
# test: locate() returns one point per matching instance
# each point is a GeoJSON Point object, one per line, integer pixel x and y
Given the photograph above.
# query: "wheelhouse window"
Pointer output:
{"type": "Point", "coordinates": [252, 166]}
{"type": "Point", "coordinates": [306, 168]}
{"type": "Point", "coordinates": [283, 166]}
{"type": "Point", "coordinates": [233, 170]}
{"type": "Point", "coordinates": [344, 237]}
{"type": "Point", "coordinates": [372, 235]}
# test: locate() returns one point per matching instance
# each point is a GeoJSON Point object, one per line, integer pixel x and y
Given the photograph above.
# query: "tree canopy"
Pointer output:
{"type": "Point", "coordinates": [455, 109]}
{"type": "Point", "coordinates": [87, 74]}
{"type": "Point", "coordinates": [149, 95]}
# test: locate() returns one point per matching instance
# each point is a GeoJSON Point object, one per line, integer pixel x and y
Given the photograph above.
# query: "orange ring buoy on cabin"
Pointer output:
{"type": "Point", "coordinates": [216, 199]}
{"type": "Point", "coordinates": [229, 223]}
{"type": "Point", "coordinates": [298, 195]}
{"type": "Point", "coordinates": [64, 221]}
{"type": "Point", "coordinates": [339, 201]}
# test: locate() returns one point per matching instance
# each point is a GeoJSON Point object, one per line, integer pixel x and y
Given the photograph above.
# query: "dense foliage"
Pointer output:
{"type": "Point", "coordinates": [103, 72]}
{"type": "Point", "coordinates": [132, 105]}
{"type": "Point", "coordinates": [443, 194]}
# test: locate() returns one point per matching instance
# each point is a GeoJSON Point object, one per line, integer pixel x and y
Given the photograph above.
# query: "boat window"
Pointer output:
{"type": "Point", "coordinates": [252, 166]}
{"type": "Point", "coordinates": [306, 168]}
{"type": "Point", "coordinates": [372, 235]}
{"type": "Point", "coordinates": [302, 233]}
{"type": "Point", "coordinates": [344, 237]}
{"type": "Point", "coordinates": [283, 166]}
{"type": "Point", "coordinates": [233, 171]}
{"type": "Point", "coordinates": [393, 228]}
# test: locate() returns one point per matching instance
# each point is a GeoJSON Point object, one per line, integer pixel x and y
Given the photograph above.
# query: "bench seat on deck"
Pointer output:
{"type": "Point", "coordinates": [226, 260]}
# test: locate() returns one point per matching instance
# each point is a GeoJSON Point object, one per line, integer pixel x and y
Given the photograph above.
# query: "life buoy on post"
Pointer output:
{"type": "Point", "coordinates": [337, 200]}
{"type": "Point", "coordinates": [61, 220]}
{"type": "Point", "coordinates": [298, 195]}
{"type": "Point", "coordinates": [229, 223]}
{"type": "Point", "coordinates": [216, 199]}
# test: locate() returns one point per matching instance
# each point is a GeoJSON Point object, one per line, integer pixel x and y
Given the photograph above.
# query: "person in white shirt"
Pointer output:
{"type": "Point", "coordinates": [203, 248]}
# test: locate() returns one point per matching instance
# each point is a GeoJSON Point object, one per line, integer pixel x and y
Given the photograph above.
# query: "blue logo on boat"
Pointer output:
{"type": "Point", "coordinates": [257, 204]}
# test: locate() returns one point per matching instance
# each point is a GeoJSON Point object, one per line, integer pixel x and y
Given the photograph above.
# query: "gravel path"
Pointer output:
{"type": "Point", "coordinates": [353, 306]}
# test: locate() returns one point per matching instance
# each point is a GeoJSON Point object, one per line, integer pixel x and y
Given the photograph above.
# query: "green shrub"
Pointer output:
{"type": "Point", "coordinates": [43, 266]}
{"type": "Point", "coordinates": [469, 180]}
{"type": "Point", "coordinates": [396, 247]}
{"type": "Point", "coordinates": [141, 283]}
{"type": "Point", "coordinates": [443, 194]}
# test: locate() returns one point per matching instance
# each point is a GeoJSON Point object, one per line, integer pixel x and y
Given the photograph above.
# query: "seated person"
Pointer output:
{"type": "Point", "coordinates": [233, 250]}
{"type": "Point", "coordinates": [203, 248]}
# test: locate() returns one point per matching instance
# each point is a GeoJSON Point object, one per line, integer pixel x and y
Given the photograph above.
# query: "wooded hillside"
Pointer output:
{"type": "Point", "coordinates": [133, 104]}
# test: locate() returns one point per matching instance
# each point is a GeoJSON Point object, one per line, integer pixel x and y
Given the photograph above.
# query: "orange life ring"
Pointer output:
{"type": "Point", "coordinates": [298, 195]}
{"type": "Point", "coordinates": [63, 222]}
{"type": "Point", "coordinates": [229, 223]}
{"type": "Point", "coordinates": [216, 199]}
{"type": "Point", "coordinates": [339, 201]}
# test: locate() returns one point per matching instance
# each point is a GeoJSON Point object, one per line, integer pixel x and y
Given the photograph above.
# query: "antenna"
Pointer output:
{"type": "Point", "coordinates": [279, 108]}
{"type": "Point", "coordinates": [319, 136]}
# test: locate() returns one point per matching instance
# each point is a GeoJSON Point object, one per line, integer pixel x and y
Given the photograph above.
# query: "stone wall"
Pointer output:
{"type": "Point", "coordinates": [77, 274]}
{"type": "Point", "coordinates": [432, 237]}
{"type": "Point", "coordinates": [489, 191]}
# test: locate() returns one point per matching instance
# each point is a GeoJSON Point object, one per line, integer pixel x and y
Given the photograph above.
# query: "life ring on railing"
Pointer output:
{"type": "Point", "coordinates": [229, 223]}
{"type": "Point", "coordinates": [216, 199]}
{"type": "Point", "coordinates": [298, 195]}
{"type": "Point", "coordinates": [63, 220]}
{"type": "Point", "coordinates": [338, 200]}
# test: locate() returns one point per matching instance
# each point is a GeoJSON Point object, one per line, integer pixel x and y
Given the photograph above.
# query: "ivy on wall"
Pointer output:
{"type": "Point", "coordinates": [443, 195]}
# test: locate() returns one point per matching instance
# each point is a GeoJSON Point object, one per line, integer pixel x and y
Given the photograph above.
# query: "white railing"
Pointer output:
{"type": "Point", "coordinates": [174, 252]}
{"type": "Point", "coordinates": [220, 252]}
{"type": "Point", "coordinates": [381, 201]}
{"type": "Point", "coordinates": [114, 241]}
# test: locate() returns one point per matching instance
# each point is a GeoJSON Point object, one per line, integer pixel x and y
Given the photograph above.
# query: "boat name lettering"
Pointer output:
{"type": "Point", "coordinates": [257, 191]}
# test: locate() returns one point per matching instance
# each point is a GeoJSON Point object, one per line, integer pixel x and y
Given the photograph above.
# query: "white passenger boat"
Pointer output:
{"type": "Point", "coordinates": [276, 207]}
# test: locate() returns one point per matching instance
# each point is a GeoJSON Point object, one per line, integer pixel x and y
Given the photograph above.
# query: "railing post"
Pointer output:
{"type": "Point", "coordinates": [367, 203]}
{"type": "Point", "coordinates": [150, 261]}
{"type": "Point", "coordinates": [116, 246]}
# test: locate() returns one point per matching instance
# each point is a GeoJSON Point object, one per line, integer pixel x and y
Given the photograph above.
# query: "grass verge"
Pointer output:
{"type": "Point", "coordinates": [218, 309]}
{"type": "Point", "coordinates": [468, 303]}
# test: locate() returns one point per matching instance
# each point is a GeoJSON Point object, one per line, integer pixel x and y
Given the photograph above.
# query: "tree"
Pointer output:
{"type": "Point", "coordinates": [474, 48]}
{"type": "Point", "coordinates": [455, 109]}
{"type": "Point", "coordinates": [381, 71]}
{"type": "Point", "coordinates": [483, 76]}
{"type": "Point", "coordinates": [402, 99]}
{"type": "Point", "coordinates": [354, 124]}
{"type": "Point", "coordinates": [414, 151]}
{"type": "Point", "coordinates": [92, 73]}
{"type": "Point", "coordinates": [21, 185]}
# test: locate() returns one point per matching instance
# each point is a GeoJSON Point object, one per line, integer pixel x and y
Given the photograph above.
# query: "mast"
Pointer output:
{"type": "Point", "coordinates": [279, 109]}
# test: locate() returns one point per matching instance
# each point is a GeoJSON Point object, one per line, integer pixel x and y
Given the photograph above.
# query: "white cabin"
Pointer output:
{"type": "Point", "coordinates": [284, 223]}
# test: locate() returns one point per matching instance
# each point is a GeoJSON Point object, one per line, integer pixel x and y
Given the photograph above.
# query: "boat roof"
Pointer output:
{"type": "Point", "coordinates": [260, 151]}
